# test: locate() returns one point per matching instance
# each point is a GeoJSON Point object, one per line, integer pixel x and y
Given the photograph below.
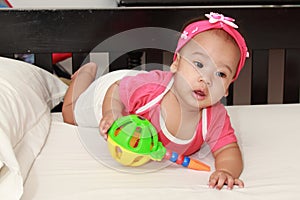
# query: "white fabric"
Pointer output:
{"type": "Point", "coordinates": [11, 182]}
{"type": "Point", "coordinates": [180, 141]}
{"type": "Point", "coordinates": [169, 135]}
{"type": "Point", "coordinates": [90, 101]}
{"type": "Point", "coordinates": [204, 123]}
{"type": "Point", "coordinates": [27, 95]}
{"type": "Point", "coordinates": [269, 139]}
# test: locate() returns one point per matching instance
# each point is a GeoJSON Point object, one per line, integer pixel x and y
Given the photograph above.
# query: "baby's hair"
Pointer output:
{"type": "Point", "coordinates": [224, 34]}
{"type": "Point", "coordinates": [191, 21]}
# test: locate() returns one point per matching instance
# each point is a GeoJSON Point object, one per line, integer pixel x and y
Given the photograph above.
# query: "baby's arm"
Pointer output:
{"type": "Point", "coordinates": [229, 166]}
{"type": "Point", "coordinates": [111, 109]}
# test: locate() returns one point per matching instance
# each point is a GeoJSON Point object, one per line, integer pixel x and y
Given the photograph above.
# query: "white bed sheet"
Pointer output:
{"type": "Point", "coordinates": [268, 135]}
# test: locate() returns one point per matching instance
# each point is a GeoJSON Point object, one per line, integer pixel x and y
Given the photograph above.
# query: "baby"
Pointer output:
{"type": "Point", "coordinates": [183, 104]}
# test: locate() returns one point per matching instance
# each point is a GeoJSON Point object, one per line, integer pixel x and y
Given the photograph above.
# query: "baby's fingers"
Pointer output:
{"type": "Point", "coordinates": [218, 179]}
{"type": "Point", "coordinates": [239, 183]}
{"type": "Point", "coordinates": [217, 182]}
{"type": "Point", "coordinates": [221, 181]}
{"type": "Point", "coordinates": [104, 126]}
{"type": "Point", "coordinates": [230, 183]}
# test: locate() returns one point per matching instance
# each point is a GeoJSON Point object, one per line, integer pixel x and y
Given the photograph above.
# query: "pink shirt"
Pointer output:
{"type": "Point", "coordinates": [137, 91]}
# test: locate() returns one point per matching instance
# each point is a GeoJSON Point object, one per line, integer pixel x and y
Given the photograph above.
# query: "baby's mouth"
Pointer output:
{"type": "Point", "coordinates": [199, 94]}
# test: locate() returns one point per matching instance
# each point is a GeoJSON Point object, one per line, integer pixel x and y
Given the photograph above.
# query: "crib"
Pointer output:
{"type": "Point", "coordinates": [263, 103]}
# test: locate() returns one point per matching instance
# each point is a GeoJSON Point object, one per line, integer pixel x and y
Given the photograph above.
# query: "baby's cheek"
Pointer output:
{"type": "Point", "coordinates": [216, 94]}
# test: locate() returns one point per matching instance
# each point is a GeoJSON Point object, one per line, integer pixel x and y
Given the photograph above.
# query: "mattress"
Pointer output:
{"type": "Point", "coordinates": [75, 163]}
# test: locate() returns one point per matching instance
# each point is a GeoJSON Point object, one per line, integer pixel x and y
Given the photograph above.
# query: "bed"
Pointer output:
{"type": "Point", "coordinates": [43, 158]}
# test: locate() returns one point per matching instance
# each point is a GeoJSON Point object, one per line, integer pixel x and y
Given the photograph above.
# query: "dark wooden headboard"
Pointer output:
{"type": "Point", "coordinates": [271, 74]}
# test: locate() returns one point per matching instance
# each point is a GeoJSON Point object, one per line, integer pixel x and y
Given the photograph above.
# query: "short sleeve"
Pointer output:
{"type": "Point", "coordinates": [136, 91]}
{"type": "Point", "coordinates": [220, 132]}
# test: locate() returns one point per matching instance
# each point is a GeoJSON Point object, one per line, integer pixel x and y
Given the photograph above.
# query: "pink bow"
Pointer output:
{"type": "Point", "coordinates": [216, 17]}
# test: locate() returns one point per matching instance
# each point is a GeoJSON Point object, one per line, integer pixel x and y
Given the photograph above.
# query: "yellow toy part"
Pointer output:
{"type": "Point", "coordinates": [124, 156]}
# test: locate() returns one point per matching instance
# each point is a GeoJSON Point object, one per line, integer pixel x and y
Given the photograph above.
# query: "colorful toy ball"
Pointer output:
{"type": "Point", "coordinates": [133, 141]}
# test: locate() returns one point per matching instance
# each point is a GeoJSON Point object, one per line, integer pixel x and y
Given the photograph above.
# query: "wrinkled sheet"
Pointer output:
{"type": "Point", "coordinates": [69, 167]}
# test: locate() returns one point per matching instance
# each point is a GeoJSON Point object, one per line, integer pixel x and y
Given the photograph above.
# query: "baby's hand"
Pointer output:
{"type": "Point", "coordinates": [220, 178]}
{"type": "Point", "coordinates": [106, 122]}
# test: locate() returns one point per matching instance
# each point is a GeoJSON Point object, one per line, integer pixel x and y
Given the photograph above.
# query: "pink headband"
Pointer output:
{"type": "Point", "coordinates": [216, 21]}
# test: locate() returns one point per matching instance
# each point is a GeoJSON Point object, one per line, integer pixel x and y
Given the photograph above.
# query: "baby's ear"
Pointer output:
{"type": "Point", "coordinates": [174, 66]}
{"type": "Point", "coordinates": [226, 93]}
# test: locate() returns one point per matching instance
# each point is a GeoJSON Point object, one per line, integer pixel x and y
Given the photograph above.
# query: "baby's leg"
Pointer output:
{"type": "Point", "coordinates": [81, 80]}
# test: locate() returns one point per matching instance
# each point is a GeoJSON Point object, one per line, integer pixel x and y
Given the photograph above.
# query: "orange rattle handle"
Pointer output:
{"type": "Point", "coordinates": [186, 161]}
{"type": "Point", "coordinates": [198, 165]}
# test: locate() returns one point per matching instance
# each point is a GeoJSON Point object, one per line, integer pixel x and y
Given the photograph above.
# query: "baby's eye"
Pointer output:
{"type": "Point", "coordinates": [221, 74]}
{"type": "Point", "coordinates": [198, 64]}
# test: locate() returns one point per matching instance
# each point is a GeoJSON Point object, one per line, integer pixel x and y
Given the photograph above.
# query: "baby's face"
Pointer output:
{"type": "Point", "coordinates": [205, 68]}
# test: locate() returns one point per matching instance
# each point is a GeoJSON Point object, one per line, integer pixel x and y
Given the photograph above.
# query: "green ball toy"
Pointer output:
{"type": "Point", "coordinates": [133, 141]}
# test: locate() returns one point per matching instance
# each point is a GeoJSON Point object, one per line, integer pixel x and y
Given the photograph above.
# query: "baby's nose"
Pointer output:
{"type": "Point", "coordinates": [206, 78]}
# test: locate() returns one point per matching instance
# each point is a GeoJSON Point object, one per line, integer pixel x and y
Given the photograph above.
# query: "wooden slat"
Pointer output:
{"type": "Point", "coordinates": [229, 98]}
{"type": "Point", "coordinates": [135, 59]}
{"type": "Point", "coordinates": [242, 86]}
{"type": "Point", "coordinates": [276, 75]}
{"type": "Point", "coordinates": [7, 55]}
{"type": "Point", "coordinates": [96, 25]}
{"type": "Point", "coordinates": [101, 60]}
{"type": "Point", "coordinates": [117, 61]}
{"type": "Point", "coordinates": [44, 60]}
{"type": "Point", "coordinates": [133, 3]}
{"type": "Point", "coordinates": [259, 86]}
{"type": "Point", "coordinates": [155, 57]}
{"type": "Point", "coordinates": [167, 60]}
{"type": "Point", "coordinates": [79, 59]}
{"type": "Point", "coordinates": [291, 76]}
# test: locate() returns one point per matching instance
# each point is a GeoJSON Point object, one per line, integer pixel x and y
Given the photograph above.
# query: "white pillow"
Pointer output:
{"type": "Point", "coordinates": [27, 94]}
